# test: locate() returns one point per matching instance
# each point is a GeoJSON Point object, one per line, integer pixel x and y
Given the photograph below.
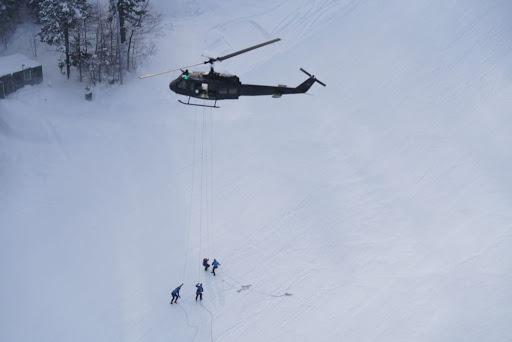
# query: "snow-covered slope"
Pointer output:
{"type": "Point", "coordinates": [381, 204]}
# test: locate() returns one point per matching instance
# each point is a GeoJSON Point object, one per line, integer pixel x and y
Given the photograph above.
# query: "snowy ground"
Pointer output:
{"type": "Point", "coordinates": [382, 203]}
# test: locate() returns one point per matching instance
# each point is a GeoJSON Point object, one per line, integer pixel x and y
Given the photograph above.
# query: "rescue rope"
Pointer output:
{"type": "Point", "coordinates": [201, 191]}
{"type": "Point", "coordinates": [212, 178]}
{"type": "Point", "coordinates": [206, 215]}
{"type": "Point", "coordinates": [206, 181]}
{"type": "Point", "coordinates": [192, 188]}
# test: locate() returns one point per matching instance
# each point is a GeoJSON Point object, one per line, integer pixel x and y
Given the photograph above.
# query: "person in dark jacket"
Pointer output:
{"type": "Point", "coordinates": [176, 294]}
{"type": "Point", "coordinates": [206, 265]}
{"type": "Point", "coordinates": [215, 265]}
{"type": "Point", "coordinates": [199, 291]}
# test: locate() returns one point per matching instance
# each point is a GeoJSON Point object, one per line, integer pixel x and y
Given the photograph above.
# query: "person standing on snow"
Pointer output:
{"type": "Point", "coordinates": [176, 294]}
{"type": "Point", "coordinates": [215, 265]}
{"type": "Point", "coordinates": [206, 265]}
{"type": "Point", "coordinates": [199, 291]}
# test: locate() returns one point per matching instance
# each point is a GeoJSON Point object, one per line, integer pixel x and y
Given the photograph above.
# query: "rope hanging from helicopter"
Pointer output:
{"type": "Point", "coordinates": [201, 188]}
{"type": "Point", "coordinates": [206, 196]}
{"type": "Point", "coordinates": [192, 187]}
{"type": "Point", "coordinates": [206, 236]}
{"type": "Point", "coordinates": [209, 181]}
{"type": "Point", "coordinates": [205, 213]}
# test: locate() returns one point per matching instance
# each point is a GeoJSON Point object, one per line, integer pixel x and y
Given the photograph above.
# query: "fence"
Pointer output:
{"type": "Point", "coordinates": [11, 82]}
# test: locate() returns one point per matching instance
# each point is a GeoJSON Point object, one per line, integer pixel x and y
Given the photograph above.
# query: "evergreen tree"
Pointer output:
{"type": "Point", "coordinates": [7, 8]}
{"type": "Point", "coordinates": [59, 20]}
{"type": "Point", "coordinates": [35, 7]}
{"type": "Point", "coordinates": [8, 17]}
{"type": "Point", "coordinates": [138, 15]}
{"type": "Point", "coordinates": [130, 15]}
{"type": "Point", "coordinates": [128, 12]}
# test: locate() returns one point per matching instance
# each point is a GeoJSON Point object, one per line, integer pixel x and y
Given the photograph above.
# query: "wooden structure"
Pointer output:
{"type": "Point", "coordinates": [17, 71]}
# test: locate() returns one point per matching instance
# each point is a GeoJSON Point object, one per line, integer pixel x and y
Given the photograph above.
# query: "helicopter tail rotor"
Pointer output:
{"type": "Point", "coordinates": [313, 77]}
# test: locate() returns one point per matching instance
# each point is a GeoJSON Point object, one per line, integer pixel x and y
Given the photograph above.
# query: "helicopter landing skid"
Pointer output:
{"type": "Point", "coordinates": [198, 104]}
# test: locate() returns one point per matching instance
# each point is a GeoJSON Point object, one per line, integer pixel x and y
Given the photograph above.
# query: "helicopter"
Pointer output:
{"type": "Point", "coordinates": [216, 86]}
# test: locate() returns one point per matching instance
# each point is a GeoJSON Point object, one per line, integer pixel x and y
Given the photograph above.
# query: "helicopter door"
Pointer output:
{"type": "Point", "coordinates": [204, 90]}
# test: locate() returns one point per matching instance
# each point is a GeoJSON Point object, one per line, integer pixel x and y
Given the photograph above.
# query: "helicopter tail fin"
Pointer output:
{"type": "Point", "coordinates": [304, 86]}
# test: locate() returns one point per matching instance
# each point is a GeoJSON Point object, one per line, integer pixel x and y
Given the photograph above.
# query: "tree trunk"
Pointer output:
{"type": "Point", "coordinates": [34, 43]}
{"type": "Point", "coordinates": [122, 27]}
{"type": "Point", "coordinates": [97, 49]}
{"type": "Point", "coordinates": [129, 49]}
{"type": "Point", "coordinates": [79, 55]}
{"type": "Point", "coordinates": [111, 57]}
{"type": "Point", "coordinates": [85, 35]}
{"type": "Point", "coordinates": [66, 43]}
{"type": "Point", "coordinates": [130, 41]}
{"type": "Point", "coordinates": [120, 59]}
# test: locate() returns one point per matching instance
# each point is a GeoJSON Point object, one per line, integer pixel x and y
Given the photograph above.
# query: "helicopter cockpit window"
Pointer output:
{"type": "Point", "coordinates": [182, 84]}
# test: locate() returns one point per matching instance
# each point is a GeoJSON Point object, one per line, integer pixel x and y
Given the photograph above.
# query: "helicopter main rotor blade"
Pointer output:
{"type": "Point", "coordinates": [220, 59]}
{"type": "Point", "coordinates": [168, 71]}
{"type": "Point", "coordinates": [212, 60]}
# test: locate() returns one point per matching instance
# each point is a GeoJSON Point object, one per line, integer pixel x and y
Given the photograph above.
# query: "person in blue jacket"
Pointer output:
{"type": "Point", "coordinates": [215, 265]}
{"type": "Point", "coordinates": [206, 265]}
{"type": "Point", "coordinates": [199, 291]}
{"type": "Point", "coordinates": [176, 294]}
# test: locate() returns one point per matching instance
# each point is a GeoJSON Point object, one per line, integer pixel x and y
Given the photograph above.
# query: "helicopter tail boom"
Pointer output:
{"type": "Point", "coordinates": [255, 90]}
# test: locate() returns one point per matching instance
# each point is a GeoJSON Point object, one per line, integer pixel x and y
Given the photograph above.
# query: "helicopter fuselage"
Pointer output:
{"type": "Point", "coordinates": [207, 86]}
{"type": "Point", "coordinates": [216, 86]}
